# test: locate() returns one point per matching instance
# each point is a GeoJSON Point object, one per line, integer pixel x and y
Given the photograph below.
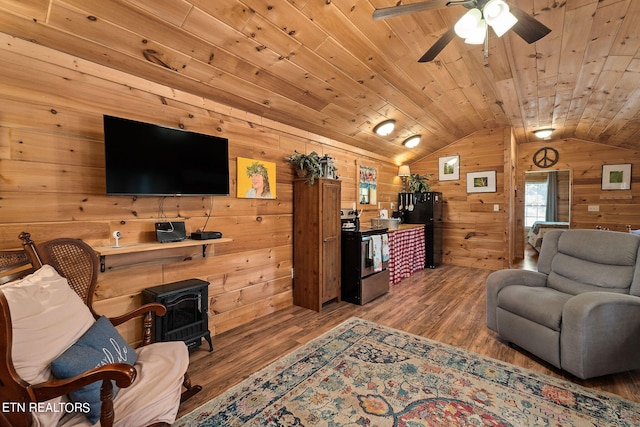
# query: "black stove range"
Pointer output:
{"type": "Point", "coordinates": [361, 280]}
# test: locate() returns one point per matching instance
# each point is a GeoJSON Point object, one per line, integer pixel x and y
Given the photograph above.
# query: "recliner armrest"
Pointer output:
{"type": "Point", "coordinates": [600, 333]}
{"type": "Point", "coordinates": [503, 278]}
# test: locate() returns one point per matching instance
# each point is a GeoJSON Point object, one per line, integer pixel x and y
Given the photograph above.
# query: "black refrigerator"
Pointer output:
{"type": "Point", "coordinates": [425, 208]}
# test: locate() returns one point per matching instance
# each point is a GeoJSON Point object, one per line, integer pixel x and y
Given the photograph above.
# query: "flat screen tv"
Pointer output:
{"type": "Point", "coordinates": [144, 159]}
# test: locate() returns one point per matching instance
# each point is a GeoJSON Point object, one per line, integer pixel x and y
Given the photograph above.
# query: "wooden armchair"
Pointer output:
{"type": "Point", "coordinates": [77, 262]}
{"type": "Point", "coordinates": [150, 390]}
{"type": "Point", "coordinates": [14, 265]}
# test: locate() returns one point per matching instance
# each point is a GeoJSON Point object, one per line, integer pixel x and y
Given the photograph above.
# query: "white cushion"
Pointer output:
{"type": "Point", "coordinates": [154, 396]}
{"type": "Point", "coordinates": [47, 317]}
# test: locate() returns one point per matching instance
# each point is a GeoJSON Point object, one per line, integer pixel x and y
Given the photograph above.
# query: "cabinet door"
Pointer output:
{"type": "Point", "coordinates": [331, 233]}
{"type": "Point", "coordinates": [307, 244]}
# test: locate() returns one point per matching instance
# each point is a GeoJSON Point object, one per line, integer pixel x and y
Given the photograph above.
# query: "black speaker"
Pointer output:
{"type": "Point", "coordinates": [172, 231]}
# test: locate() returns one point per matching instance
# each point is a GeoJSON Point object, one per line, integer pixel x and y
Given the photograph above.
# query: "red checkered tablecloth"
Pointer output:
{"type": "Point", "coordinates": [406, 253]}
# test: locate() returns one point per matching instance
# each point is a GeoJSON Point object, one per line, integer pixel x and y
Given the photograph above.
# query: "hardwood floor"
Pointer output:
{"type": "Point", "coordinates": [446, 304]}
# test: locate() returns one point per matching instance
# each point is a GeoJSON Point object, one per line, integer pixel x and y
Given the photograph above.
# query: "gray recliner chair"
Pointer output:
{"type": "Point", "coordinates": [581, 310]}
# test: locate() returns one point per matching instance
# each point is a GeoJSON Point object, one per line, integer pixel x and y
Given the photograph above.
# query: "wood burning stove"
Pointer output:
{"type": "Point", "coordinates": [187, 316]}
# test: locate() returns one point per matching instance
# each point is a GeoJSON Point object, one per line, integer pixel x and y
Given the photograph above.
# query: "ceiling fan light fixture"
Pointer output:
{"type": "Point", "coordinates": [412, 141]}
{"type": "Point", "coordinates": [468, 23]}
{"type": "Point", "coordinates": [498, 16]}
{"type": "Point", "coordinates": [543, 133]}
{"type": "Point", "coordinates": [385, 128]}
{"type": "Point", "coordinates": [477, 35]}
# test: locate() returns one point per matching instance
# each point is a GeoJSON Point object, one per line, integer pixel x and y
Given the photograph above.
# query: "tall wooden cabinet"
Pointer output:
{"type": "Point", "coordinates": [316, 242]}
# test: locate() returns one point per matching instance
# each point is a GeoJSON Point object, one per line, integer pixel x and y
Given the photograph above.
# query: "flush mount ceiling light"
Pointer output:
{"type": "Point", "coordinates": [543, 133]}
{"type": "Point", "coordinates": [412, 141]}
{"type": "Point", "coordinates": [385, 128]}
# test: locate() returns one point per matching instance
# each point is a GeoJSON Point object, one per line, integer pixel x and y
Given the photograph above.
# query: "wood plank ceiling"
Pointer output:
{"type": "Point", "coordinates": [327, 67]}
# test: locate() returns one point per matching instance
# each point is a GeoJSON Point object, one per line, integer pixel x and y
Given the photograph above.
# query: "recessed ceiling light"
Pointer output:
{"type": "Point", "coordinates": [412, 141]}
{"type": "Point", "coordinates": [385, 128]}
{"type": "Point", "coordinates": [543, 133]}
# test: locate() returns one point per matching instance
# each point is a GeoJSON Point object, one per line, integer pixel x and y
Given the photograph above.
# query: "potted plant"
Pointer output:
{"type": "Point", "coordinates": [418, 183]}
{"type": "Point", "coordinates": [306, 165]}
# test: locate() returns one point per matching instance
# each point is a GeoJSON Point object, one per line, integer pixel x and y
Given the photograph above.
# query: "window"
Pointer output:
{"type": "Point", "coordinates": [535, 202]}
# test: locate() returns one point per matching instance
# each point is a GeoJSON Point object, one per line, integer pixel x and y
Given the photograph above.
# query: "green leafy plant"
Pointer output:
{"type": "Point", "coordinates": [306, 165]}
{"type": "Point", "coordinates": [418, 183]}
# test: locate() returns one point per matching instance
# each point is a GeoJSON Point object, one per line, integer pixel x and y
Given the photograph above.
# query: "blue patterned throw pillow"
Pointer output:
{"type": "Point", "coordinates": [100, 345]}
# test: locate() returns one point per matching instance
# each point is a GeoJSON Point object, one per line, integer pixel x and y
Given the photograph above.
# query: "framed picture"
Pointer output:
{"type": "Point", "coordinates": [616, 177]}
{"type": "Point", "coordinates": [256, 179]}
{"type": "Point", "coordinates": [367, 187]}
{"type": "Point", "coordinates": [481, 182]}
{"type": "Point", "coordinates": [449, 168]}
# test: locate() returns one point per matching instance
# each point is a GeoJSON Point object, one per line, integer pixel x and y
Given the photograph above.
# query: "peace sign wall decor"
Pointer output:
{"type": "Point", "coordinates": [546, 157]}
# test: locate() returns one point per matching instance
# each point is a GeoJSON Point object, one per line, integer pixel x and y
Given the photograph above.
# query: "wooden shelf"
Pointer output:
{"type": "Point", "coordinates": [132, 248]}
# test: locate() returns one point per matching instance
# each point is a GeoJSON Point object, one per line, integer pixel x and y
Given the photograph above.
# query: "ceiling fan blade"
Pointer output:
{"type": "Point", "coordinates": [528, 28]}
{"type": "Point", "coordinates": [405, 9]}
{"type": "Point", "coordinates": [437, 47]}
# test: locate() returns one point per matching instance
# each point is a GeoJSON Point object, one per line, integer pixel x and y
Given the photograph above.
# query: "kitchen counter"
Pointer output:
{"type": "Point", "coordinates": [402, 227]}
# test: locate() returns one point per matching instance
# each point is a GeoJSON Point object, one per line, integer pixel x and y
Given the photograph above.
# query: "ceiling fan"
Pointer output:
{"type": "Point", "coordinates": [473, 26]}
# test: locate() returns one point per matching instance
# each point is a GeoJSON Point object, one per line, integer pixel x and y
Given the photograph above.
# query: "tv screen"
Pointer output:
{"type": "Point", "coordinates": [149, 160]}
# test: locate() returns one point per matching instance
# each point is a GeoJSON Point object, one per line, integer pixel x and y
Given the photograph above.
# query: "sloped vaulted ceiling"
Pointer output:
{"type": "Point", "coordinates": [328, 67]}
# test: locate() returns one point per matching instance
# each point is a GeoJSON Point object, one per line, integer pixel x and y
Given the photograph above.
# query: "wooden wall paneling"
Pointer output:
{"type": "Point", "coordinates": [42, 231]}
{"type": "Point", "coordinates": [43, 147]}
{"type": "Point", "coordinates": [26, 207]}
{"type": "Point", "coordinates": [48, 177]}
{"type": "Point", "coordinates": [564, 195]}
{"type": "Point", "coordinates": [250, 294]}
{"type": "Point", "coordinates": [473, 233]}
{"type": "Point", "coordinates": [91, 97]}
{"type": "Point", "coordinates": [249, 233]}
{"type": "Point", "coordinates": [508, 205]}
{"type": "Point", "coordinates": [584, 160]}
{"type": "Point", "coordinates": [53, 106]}
{"type": "Point", "coordinates": [127, 281]}
{"type": "Point", "coordinates": [236, 280]}
{"type": "Point", "coordinates": [5, 143]}
{"type": "Point", "coordinates": [227, 263]}
{"type": "Point", "coordinates": [67, 145]}
{"type": "Point", "coordinates": [231, 319]}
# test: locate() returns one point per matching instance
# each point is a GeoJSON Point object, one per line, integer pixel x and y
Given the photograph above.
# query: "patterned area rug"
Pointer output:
{"type": "Point", "coordinates": [365, 374]}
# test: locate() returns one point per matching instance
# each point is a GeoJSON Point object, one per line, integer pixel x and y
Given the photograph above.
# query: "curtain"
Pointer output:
{"type": "Point", "coordinates": [552, 197]}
